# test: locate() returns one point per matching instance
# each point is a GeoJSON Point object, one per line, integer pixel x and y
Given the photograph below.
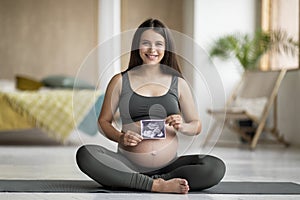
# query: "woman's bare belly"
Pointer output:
{"type": "Point", "coordinates": [151, 153]}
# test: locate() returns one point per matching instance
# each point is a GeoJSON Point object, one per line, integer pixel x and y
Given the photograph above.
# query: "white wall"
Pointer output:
{"type": "Point", "coordinates": [289, 107]}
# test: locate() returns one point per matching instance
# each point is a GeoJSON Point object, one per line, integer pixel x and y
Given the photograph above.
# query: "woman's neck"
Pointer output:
{"type": "Point", "coordinates": [150, 70]}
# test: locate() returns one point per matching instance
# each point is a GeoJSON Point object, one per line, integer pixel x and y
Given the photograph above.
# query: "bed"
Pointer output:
{"type": "Point", "coordinates": [57, 112]}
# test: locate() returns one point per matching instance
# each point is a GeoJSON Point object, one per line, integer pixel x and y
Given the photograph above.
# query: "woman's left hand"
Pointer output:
{"type": "Point", "coordinates": [175, 121]}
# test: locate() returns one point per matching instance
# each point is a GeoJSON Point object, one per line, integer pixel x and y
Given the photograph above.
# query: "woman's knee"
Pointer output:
{"type": "Point", "coordinates": [217, 167]}
{"type": "Point", "coordinates": [83, 154]}
{"type": "Point", "coordinates": [80, 155]}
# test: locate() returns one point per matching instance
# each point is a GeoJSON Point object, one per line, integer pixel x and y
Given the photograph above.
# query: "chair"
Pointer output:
{"type": "Point", "coordinates": [252, 101]}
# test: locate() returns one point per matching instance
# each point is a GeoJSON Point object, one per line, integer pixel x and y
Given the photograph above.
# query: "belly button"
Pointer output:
{"type": "Point", "coordinates": [153, 153]}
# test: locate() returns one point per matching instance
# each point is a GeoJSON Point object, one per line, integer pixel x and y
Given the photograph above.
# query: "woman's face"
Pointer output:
{"type": "Point", "coordinates": [151, 47]}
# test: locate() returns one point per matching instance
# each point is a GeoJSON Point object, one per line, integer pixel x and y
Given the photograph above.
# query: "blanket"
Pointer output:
{"type": "Point", "coordinates": [57, 112]}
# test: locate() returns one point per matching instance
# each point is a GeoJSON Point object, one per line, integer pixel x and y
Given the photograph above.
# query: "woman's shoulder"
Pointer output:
{"type": "Point", "coordinates": [116, 77]}
{"type": "Point", "coordinates": [183, 86]}
{"type": "Point", "coordinates": [116, 80]}
{"type": "Point", "coordinates": [181, 81]}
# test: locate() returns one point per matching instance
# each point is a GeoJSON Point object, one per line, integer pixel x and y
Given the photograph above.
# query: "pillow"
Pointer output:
{"type": "Point", "coordinates": [254, 106]}
{"type": "Point", "coordinates": [27, 83]}
{"type": "Point", "coordinates": [61, 81]}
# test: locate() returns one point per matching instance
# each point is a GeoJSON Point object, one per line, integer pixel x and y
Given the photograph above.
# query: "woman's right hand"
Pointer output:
{"type": "Point", "coordinates": [130, 138]}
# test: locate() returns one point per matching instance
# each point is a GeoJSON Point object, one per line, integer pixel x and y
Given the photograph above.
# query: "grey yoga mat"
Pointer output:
{"type": "Point", "coordinates": [87, 186]}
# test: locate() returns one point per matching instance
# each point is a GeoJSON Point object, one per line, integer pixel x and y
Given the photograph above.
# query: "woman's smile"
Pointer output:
{"type": "Point", "coordinates": [152, 56]}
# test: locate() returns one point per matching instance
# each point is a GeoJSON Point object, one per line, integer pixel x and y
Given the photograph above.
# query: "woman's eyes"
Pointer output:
{"type": "Point", "coordinates": [146, 43]}
{"type": "Point", "coordinates": [159, 44]}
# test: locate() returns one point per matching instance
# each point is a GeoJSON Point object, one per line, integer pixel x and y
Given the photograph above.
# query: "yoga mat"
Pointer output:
{"type": "Point", "coordinates": [87, 186]}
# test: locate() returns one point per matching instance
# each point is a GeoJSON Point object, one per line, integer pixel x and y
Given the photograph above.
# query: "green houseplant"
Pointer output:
{"type": "Point", "coordinates": [248, 49]}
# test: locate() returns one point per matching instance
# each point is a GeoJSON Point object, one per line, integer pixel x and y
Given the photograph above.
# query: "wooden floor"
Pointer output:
{"type": "Point", "coordinates": [266, 163]}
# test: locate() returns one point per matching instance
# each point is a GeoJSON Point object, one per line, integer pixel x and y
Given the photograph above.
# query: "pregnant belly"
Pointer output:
{"type": "Point", "coordinates": [153, 153]}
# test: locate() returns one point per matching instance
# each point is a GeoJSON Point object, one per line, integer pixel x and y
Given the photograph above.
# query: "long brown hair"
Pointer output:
{"type": "Point", "coordinates": [169, 59]}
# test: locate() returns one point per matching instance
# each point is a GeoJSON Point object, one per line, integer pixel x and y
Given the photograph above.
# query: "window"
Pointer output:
{"type": "Point", "coordinates": [280, 14]}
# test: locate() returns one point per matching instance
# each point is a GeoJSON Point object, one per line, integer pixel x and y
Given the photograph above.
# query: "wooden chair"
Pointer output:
{"type": "Point", "coordinates": [252, 101]}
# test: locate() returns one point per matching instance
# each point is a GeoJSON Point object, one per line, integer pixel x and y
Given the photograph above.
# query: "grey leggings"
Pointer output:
{"type": "Point", "coordinates": [200, 171]}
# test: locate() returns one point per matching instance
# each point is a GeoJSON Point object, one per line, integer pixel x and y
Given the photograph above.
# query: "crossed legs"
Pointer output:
{"type": "Point", "coordinates": [111, 169]}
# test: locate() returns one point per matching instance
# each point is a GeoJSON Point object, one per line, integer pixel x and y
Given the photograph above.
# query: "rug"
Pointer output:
{"type": "Point", "coordinates": [89, 186]}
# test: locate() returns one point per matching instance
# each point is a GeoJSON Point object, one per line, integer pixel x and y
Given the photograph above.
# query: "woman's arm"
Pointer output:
{"type": "Point", "coordinates": [190, 124]}
{"type": "Point", "coordinates": [109, 107]}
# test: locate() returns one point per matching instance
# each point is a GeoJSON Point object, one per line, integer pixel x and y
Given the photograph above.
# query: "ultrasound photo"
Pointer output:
{"type": "Point", "coordinates": [153, 129]}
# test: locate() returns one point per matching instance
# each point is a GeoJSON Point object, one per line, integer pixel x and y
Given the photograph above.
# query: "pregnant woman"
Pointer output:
{"type": "Point", "coordinates": [152, 87]}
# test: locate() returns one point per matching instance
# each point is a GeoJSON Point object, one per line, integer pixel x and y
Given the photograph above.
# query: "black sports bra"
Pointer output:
{"type": "Point", "coordinates": [135, 107]}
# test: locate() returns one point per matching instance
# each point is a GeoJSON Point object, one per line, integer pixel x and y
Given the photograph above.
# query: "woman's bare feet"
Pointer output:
{"type": "Point", "coordinates": [175, 185]}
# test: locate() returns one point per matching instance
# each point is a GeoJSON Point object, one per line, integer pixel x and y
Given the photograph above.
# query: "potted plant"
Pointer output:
{"type": "Point", "coordinates": [248, 49]}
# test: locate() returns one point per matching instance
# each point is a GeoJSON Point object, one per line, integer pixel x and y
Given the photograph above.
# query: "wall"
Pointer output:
{"type": "Point", "coordinates": [134, 12]}
{"type": "Point", "coordinates": [44, 37]}
{"type": "Point", "coordinates": [289, 108]}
